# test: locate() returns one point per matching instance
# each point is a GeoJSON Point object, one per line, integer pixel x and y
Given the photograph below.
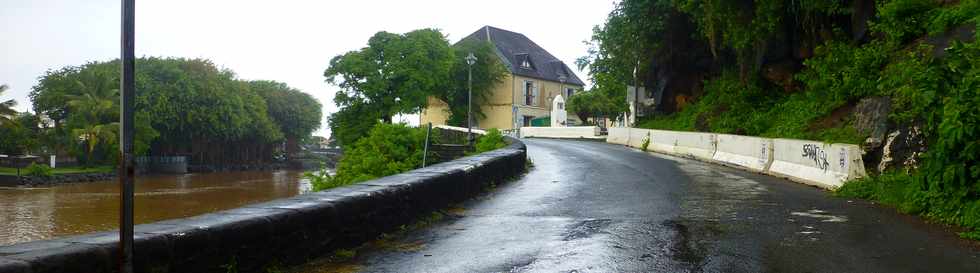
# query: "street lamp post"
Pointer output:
{"type": "Point", "coordinates": [561, 91]}
{"type": "Point", "coordinates": [470, 60]}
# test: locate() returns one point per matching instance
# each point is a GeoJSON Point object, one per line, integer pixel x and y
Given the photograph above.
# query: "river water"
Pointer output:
{"type": "Point", "coordinates": [28, 214]}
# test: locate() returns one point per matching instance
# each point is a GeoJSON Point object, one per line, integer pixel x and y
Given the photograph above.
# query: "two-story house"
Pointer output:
{"type": "Point", "coordinates": [536, 77]}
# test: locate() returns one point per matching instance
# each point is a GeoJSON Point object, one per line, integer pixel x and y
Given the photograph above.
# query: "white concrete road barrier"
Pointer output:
{"type": "Point", "coordinates": [811, 162]}
{"type": "Point", "coordinates": [618, 135]}
{"type": "Point", "coordinates": [816, 163]}
{"type": "Point", "coordinates": [689, 144]}
{"type": "Point", "coordinates": [586, 132]}
{"type": "Point", "coordinates": [752, 153]}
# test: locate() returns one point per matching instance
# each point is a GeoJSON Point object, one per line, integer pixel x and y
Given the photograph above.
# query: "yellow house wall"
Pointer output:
{"type": "Point", "coordinates": [547, 91]}
{"type": "Point", "coordinates": [437, 112]}
{"type": "Point", "coordinates": [499, 107]}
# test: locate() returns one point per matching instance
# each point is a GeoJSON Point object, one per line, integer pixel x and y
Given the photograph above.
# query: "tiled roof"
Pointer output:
{"type": "Point", "coordinates": [516, 51]}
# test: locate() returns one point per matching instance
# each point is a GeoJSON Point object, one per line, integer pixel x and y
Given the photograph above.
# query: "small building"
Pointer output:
{"type": "Point", "coordinates": [536, 77]}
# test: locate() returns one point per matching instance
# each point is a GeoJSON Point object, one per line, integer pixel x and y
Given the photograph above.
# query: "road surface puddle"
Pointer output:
{"type": "Point", "coordinates": [585, 229]}
{"type": "Point", "coordinates": [821, 215]}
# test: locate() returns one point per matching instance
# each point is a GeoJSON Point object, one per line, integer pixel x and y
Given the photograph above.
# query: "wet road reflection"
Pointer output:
{"type": "Point", "coordinates": [28, 214]}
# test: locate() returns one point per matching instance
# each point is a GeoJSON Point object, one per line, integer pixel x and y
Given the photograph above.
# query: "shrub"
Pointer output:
{"type": "Point", "coordinates": [491, 141]}
{"type": "Point", "coordinates": [646, 143]}
{"type": "Point", "coordinates": [386, 150]}
{"type": "Point", "coordinates": [39, 170]}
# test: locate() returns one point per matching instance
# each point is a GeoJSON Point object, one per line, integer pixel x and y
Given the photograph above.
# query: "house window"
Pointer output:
{"type": "Point", "coordinates": [526, 64]}
{"type": "Point", "coordinates": [530, 93]}
{"type": "Point", "coordinates": [569, 92]}
{"type": "Point", "coordinates": [527, 121]}
{"type": "Point", "coordinates": [561, 106]}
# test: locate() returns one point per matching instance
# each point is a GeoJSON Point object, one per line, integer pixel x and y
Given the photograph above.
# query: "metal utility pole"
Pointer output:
{"type": "Point", "coordinates": [127, 86]}
{"type": "Point", "coordinates": [470, 60]}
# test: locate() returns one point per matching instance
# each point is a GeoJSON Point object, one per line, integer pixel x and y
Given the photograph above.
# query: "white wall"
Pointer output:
{"type": "Point", "coordinates": [590, 132]}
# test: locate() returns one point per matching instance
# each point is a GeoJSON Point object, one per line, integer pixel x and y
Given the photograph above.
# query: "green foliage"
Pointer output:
{"type": "Point", "coordinates": [395, 74]}
{"type": "Point", "coordinates": [6, 107]}
{"type": "Point", "coordinates": [597, 103]}
{"type": "Point", "coordinates": [321, 179]}
{"type": "Point", "coordinates": [646, 143]}
{"type": "Point", "coordinates": [902, 20]}
{"type": "Point", "coordinates": [39, 170]}
{"type": "Point", "coordinates": [352, 123]}
{"type": "Point", "coordinates": [634, 30]}
{"type": "Point", "coordinates": [952, 16]}
{"type": "Point", "coordinates": [183, 106]}
{"type": "Point", "coordinates": [20, 133]}
{"type": "Point", "coordinates": [386, 150]}
{"type": "Point", "coordinates": [491, 141]}
{"type": "Point", "coordinates": [294, 113]}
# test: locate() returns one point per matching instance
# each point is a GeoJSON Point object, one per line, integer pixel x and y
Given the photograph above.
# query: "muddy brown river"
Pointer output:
{"type": "Point", "coordinates": [28, 214]}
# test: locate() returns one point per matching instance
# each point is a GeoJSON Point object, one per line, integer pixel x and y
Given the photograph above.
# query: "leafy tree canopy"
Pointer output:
{"type": "Point", "coordinates": [394, 74]}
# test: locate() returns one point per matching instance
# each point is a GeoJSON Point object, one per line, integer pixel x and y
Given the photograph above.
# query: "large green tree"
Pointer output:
{"type": "Point", "coordinates": [184, 107]}
{"type": "Point", "coordinates": [297, 114]}
{"type": "Point", "coordinates": [394, 74]}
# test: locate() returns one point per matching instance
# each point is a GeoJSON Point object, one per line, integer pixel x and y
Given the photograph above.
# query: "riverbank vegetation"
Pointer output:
{"type": "Point", "coordinates": [806, 70]}
{"type": "Point", "coordinates": [390, 149]}
{"type": "Point", "coordinates": [185, 107]}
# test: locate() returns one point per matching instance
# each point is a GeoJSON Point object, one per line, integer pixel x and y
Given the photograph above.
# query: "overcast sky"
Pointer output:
{"type": "Point", "coordinates": [290, 41]}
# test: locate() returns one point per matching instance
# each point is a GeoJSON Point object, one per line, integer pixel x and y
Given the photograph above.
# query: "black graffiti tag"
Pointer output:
{"type": "Point", "coordinates": [818, 155]}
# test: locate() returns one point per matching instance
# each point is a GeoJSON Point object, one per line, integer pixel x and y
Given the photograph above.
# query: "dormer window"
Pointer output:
{"type": "Point", "coordinates": [525, 61]}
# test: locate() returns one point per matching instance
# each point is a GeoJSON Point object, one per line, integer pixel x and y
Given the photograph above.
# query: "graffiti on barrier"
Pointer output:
{"type": "Point", "coordinates": [817, 154]}
{"type": "Point", "coordinates": [764, 154]}
{"type": "Point", "coordinates": [843, 158]}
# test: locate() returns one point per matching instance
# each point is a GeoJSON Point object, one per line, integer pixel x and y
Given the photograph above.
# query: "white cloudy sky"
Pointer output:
{"type": "Point", "coordinates": [290, 41]}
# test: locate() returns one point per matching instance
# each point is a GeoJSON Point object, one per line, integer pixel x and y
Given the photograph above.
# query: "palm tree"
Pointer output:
{"type": "Point", "coordinates": [93, 109]}
{"type": "Point", "coordinates": [92, 134]}
{"type": "Point", "coordinates": [7, 111]}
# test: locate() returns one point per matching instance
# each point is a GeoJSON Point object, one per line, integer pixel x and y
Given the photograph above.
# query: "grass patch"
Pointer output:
{"type": "Point", "coordinates": [730, 106]}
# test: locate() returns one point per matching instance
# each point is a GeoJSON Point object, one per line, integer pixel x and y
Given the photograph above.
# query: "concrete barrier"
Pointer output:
{"type": "Point", "coordinates": [752, 153]}
{"type": "Point", "coordinates": [816, 163]}
{"type": "Point", "coordinates": [576, 132]}
{"type": "Point", "coordinates": [688, 144]}
{"type": "Point", "coordinates": [280, 232]}
{"type": "Point", "coordinates": [824, 165]}
{"type": "Point", "coordinates": [618, 135]}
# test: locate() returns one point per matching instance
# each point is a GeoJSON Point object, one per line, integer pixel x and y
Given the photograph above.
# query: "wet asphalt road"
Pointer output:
{"type": "Point", "coordinates": [597, 207]}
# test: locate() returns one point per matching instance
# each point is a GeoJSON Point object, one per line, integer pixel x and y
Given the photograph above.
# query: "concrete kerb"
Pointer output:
{"type": "Point", "coordinates": [285, 231]}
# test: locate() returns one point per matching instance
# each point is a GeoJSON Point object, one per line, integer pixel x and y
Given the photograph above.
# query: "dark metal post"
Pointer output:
{"type": "Point", "coordinates": [425, 150]}
{"type": "Point", "coordinates": [126, 169]}
{"type": "Point", "coordinates": [469, 106]}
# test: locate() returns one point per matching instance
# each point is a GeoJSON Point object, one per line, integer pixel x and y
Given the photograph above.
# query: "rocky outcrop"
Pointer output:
{"type": "Point", "coordinates": [903, 149]}
{"type": "Point", "coordinates": [871, 119]}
